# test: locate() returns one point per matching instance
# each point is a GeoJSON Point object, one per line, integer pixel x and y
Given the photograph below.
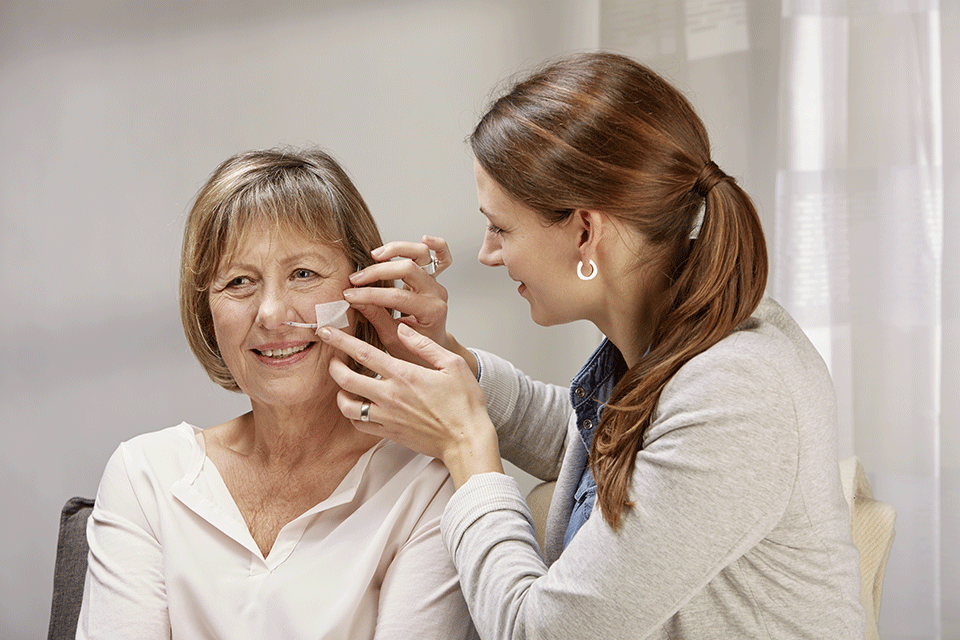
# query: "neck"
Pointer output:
{"type": "Point", "coordinates": [631, 344]}
{"type": "Point", "coordinates": [629, 323]}
{"type": "Point", "coordinates": [290, 436]}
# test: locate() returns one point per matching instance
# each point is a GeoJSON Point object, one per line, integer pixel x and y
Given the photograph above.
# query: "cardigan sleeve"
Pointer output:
{"type": "Point", "coordinates": [531, 417]}
{"type": "Point", "coordinates": [713, 478]}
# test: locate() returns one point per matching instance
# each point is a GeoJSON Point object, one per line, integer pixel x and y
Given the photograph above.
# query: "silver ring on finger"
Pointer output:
{"type": "Point", "coordinates": [365, 412]}
{"type": "Point", "coordinates": [431, 267]}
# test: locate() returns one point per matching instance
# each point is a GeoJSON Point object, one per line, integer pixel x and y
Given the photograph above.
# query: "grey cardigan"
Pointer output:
{"type": "Point", "coordinates": [739, 529]}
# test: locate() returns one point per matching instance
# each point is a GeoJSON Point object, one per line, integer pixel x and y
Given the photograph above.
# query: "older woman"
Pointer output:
{"type": "Point", "coordinates": [284, 522]}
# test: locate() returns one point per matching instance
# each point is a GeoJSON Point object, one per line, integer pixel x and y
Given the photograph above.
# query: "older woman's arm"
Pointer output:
{"type": "Point", "coordinates": [124, 594]}
{"type": "Point", "coordinates": [420, 596]}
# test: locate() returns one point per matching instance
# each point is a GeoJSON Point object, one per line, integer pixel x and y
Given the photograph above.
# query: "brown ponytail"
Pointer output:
{"type": "Point", "coordinates": [599, 131]}
{"type": "Point", "coordinates": [719, 285]}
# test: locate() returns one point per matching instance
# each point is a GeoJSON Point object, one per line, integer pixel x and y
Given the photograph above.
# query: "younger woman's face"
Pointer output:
{"type": "Point", "coordinates": [542, 258]}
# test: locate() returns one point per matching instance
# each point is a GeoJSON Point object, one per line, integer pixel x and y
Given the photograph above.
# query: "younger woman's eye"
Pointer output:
{"type": "Point", "coordinates": [494, 229]}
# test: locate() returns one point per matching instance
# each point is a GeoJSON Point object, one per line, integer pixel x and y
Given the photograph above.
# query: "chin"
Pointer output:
{"type": "Point", "coordinates": [544, 320]}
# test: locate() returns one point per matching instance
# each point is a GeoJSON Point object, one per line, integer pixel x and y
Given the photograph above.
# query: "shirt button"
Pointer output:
{"type": "Point", "coordinates": [588, 424]}
{"type": "Point", "coordinates": [580, 392]}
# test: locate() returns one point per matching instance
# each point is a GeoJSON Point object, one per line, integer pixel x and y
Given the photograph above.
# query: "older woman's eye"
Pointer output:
{"type": "Point", "coordinates": [235, 284]}
{"type": "Point", "coordinates": [303, 274]}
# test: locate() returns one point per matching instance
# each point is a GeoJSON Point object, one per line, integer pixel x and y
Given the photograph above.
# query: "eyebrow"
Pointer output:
{"type": "Point", "coordinates": [284, 261]}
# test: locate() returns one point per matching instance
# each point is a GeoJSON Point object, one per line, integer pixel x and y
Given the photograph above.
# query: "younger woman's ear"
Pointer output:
{"type": "Point", "coordinates": [590, 226]}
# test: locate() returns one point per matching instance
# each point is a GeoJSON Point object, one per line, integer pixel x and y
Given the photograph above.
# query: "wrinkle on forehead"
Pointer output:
{"type": "Point", "coordinates": [239, 237]}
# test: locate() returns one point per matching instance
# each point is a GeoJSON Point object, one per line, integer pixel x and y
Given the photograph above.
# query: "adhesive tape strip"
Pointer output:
{"type": "Point", "coordinates": [332, 314]}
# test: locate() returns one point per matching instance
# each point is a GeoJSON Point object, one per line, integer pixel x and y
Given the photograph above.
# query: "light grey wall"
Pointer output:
{"type": "Point", "coordinates": [112, 114]}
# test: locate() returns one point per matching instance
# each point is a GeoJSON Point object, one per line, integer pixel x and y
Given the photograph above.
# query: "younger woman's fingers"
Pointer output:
{"type": "Point", "coordinates": [440, 250]}
{"type": "Point", "coordinates": [365, 355]}
{"type": "Point", "coordinates": [351, 409]}
{"type": "Point", "coordinates": [428, 309]}
{"type": "Point", "coordinates": [427, 349]}
{"type": "Point", "coordinates": [352, 406]}
{"type": "Point", "coordinates": [412, 274]}
{"type": "Point", "coordinates": [379, 317]}
{"type": "Point", "coordinates": [386, 327]}
{"type": "Point", "coordinates": [416, 251]}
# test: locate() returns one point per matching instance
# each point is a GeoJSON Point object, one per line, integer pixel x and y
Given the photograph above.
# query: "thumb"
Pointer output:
{"type": "Point", "coordinates": [380, 319]}
{"type": "Point", "coordinates": [420, 345]}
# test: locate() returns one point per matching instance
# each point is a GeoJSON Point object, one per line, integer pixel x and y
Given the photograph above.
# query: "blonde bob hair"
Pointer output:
{"type": "Point", "coordinates": [299, 191]}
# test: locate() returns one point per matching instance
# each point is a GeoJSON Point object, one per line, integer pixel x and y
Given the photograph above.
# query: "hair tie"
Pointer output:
{"type": "Point", "coordinates": [707, 179]}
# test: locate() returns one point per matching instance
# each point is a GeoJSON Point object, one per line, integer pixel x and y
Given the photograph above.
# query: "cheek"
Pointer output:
{"type": "Point", "coordinates": [226, 316]}
{"type": "Point", "coordinates": [507, 251]}
{"type": "Point", "coordinates": [216, 319]}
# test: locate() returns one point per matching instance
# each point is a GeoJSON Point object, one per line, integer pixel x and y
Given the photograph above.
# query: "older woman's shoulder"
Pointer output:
{"type": "Point", "coordinates": [142, 470]}
{"type": "Point", "coordinates": [170, 451]}
{"type": "Point", "coordinates": [175, 439]}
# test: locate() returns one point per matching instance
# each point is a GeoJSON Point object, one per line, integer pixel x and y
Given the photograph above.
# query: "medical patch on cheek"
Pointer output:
{"type": "Point", "coordinates": [332, 314]}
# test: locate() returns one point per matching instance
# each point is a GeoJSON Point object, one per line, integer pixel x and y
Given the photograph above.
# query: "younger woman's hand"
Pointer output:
{"type": "Point", "coordinates": [422, 302]}
{"type": "Point", "coordinates": [439, 411]}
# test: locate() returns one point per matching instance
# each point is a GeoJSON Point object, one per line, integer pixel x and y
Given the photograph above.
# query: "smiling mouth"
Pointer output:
{"type": "Point", "coordinates": [283, 353]}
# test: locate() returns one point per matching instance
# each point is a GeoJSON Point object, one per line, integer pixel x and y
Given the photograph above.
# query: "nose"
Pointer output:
{"type": "Point", "coordinates": [490, 251]}
{"type": "Point", "coordinates": [273, 310]}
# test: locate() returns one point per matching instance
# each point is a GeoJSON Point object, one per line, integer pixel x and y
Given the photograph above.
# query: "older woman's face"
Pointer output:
{"type": "Point", "coordinates": [276, 276]}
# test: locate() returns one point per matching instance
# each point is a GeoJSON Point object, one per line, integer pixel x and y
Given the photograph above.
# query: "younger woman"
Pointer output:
{"type": "Point", "coordinates": [698, 491]}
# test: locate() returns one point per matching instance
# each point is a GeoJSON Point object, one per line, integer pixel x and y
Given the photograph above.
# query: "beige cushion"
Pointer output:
{"type": "Point", "coordinates": [539, 501]}
{"type": "Point", "coordinates": [871, 525]}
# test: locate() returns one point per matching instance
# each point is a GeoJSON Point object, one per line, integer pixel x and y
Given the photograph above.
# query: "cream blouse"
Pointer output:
{"type": "Point", "coordinates": [171, 556]}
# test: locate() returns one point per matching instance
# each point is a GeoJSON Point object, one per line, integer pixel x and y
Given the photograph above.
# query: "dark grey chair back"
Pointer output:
{"type": "Point", "coordinates": [70, 570]}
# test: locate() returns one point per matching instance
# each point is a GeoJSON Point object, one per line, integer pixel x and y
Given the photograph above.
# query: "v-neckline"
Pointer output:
{"type": "Point", "coordinates": [212, 501]}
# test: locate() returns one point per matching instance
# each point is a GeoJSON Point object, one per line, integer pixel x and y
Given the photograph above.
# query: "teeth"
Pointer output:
{"type": "Point", "coordinates": [283, 353]}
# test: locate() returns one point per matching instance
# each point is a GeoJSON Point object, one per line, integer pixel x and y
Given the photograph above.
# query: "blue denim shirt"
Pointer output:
{"type": "Point", "coordinates": [590, 389]}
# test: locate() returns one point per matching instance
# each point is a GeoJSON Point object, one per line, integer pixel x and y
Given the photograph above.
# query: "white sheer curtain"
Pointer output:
{"type": "Point", "coordinates": [868, 109]}
{"type": "Point", "coordinates": [842, 118]}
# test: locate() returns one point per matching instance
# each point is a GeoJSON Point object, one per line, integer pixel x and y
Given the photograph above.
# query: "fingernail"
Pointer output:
{"type": "Point", "coordinates": [348, 293]}
{"type": "Point", "coordinates": [405, 330]}
{"type": "Point", "coordinates": [355, 276]}
{"type": "Point", "coordinates": [324, 333]}
{"type": "Point", "coordinates": [376, 252]}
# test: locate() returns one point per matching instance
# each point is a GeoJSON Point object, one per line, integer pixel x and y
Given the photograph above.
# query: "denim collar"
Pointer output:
{"type": "Point", "coordinates": [593, 385]}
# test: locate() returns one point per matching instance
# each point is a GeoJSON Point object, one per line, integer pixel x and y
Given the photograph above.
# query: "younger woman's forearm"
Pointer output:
{"type": "Point", "coordinates": [463, 352]}
{"type": "Point", "coordinates": [473, 453]}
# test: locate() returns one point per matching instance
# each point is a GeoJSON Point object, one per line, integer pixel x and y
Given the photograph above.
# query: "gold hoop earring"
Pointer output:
{"type": "Point", "coordinates": [593, 271]}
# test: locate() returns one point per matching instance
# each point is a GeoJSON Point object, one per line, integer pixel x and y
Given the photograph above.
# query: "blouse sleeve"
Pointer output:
{"type": "Point", "coordinates": [531, 417]}
{"type": "Point", "coordinates": [124, 594]}
{"type": "Point", "coordinates": [713, 478]}
{"type": "Point", "coordinates": [420, 596]}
